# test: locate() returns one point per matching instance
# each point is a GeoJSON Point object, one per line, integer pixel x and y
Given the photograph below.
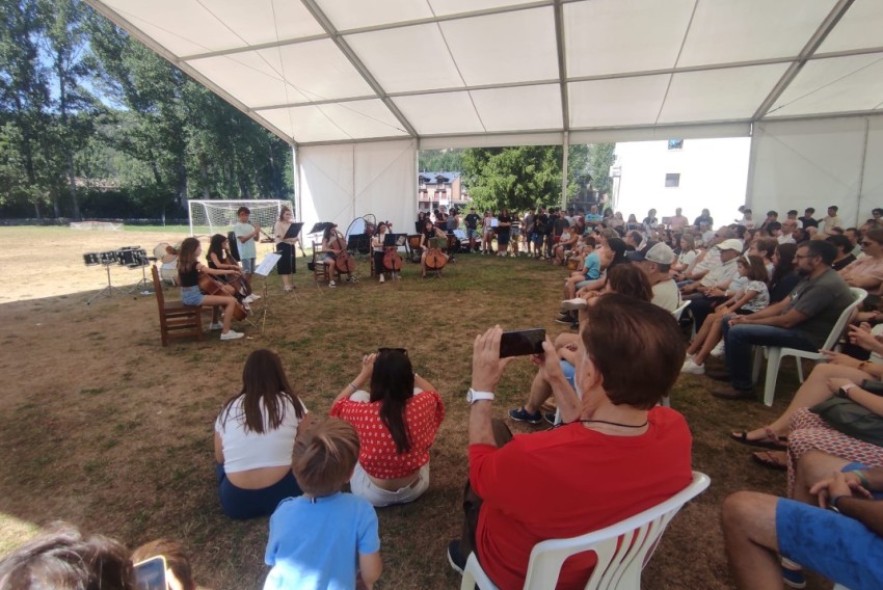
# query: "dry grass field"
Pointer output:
{"type": "Point", "coordinates": [103, 427]}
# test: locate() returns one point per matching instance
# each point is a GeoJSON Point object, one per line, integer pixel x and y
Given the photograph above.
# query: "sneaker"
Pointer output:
{"type": "Point", "coordinates": [332, 284]}
{"type": "Point", "coordinates": [550, 417]}
{"type": "Point", "coordinates": [692, 368]}
{"type": "Point", "coordinates": [565, 318]}
{"type": "Point", "coordinates": [254, 297]}
{"type": "Point", "coordinates": [522, 415]}
{"type": "Point", "coordinates": [247, 300]}
{"type": "Point", "coordinates": [232, 335]}
{"type": "Point", "coordinates": [215, 326]}
{"type": "Point", "coordinates": [793, 578]}
{"type": "Point", "coordinates": [718, 351]}
{"type": "Point", "coordinates": [456, 557]}
{"type": "Point", "coordinates": [574, 304]}
{"type": "Point", "coordinates": [382, 279]}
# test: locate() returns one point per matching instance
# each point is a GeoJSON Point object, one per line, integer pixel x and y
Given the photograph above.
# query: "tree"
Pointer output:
{"type": "Point", "coordinates": [600, 159]}
{"type": "Point", "coordinates": [523, 177]}
{"type": "Point", "coordinates": [446, 160]}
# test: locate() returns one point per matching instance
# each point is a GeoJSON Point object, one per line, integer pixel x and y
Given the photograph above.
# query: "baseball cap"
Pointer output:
{"type": "Point", "coordinates": [659, 253]}
{"type": "Point", "coordinates": [731, 244]}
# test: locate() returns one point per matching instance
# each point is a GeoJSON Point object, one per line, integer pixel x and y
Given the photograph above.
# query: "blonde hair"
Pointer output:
{"type": "Point", "coordinates": [324, 456]}
{"type": "Point", "coordinates": [176, 557]}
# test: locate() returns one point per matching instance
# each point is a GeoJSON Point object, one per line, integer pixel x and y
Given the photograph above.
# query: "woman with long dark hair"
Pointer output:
{"type": "Point", "coordinates": [785, 276]}
{"type": "Point", "coordinates": [189, 269]}
{"type": "Point", "coordinates": [219, 257]}
{"type": "Point", "coordinates": [254, 438]}
{"type": "Point", "coordinates": [396, 422]}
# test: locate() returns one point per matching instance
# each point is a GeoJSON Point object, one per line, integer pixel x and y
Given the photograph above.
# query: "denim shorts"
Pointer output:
{"type": "Point", "coordinates": [191, 296]}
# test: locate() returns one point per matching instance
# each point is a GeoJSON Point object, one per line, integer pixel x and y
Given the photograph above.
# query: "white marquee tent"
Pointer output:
{"type": "Point", "coordinates": [358, 86]}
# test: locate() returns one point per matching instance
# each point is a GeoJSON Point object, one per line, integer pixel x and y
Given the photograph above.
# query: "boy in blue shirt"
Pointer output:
{"type": "Point", "coordinates": [325, 538]}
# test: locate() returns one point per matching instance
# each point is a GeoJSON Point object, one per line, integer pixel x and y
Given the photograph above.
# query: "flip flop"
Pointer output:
{"type": "Point", "coordinates": [771, 441]}
{"type": "Point", "coordinates": [771, 459]}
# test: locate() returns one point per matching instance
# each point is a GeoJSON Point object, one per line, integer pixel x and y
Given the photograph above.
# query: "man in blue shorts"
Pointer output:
{"type": "Point", "coordinates": [842, 538]}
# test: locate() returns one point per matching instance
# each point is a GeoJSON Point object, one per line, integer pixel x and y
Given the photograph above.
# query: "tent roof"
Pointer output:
{"type": "Point", "coordinates": [485, 72]}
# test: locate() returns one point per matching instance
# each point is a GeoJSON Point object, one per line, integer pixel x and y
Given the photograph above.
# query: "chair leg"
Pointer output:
{"type": "Point", "coordinates": [799, 362]}
{"type": "Point", "coordinates": [756, 363]}
{"type": "Point", "coordinates": [772, 373]}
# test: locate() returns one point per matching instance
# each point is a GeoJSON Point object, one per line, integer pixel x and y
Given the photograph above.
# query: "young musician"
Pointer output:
{"type": "Point", "coordinates": [189, 268]}
{"type": "Point", "coordinates": [429, 232]}
{"type": "Point", "coordinates": [219, 257]}
{"type": "Point", "coordinates": [247, 234]}
{"type": "Point", "coordinates": [285, 247]}
{"type": "Point", "coordinates": [378, 251]}
{"type": "Point", "coordinates": [332, 245]}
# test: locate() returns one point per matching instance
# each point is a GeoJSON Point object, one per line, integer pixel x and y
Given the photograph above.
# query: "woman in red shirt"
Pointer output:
{"type": "Point", "coordinates": [396, 423]}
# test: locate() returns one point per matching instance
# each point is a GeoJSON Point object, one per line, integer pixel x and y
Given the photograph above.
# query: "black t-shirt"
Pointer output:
{"type": "Point", "coordinates": [472, 220]}
{"type": "Point", "coordinates": [808, 222]}
{"type": "Point", "coordinates": [501, 229]}
{"type": "Point", "coordinates": [542, 224]}
{"type": "Point", "coordinates": [558, 226]}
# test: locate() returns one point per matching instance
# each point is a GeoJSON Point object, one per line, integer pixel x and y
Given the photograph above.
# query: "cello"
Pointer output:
{"type": "Point", "coordinates": [392, 261]}
{"type": "Point", "coordinates": [343, 262]}
{"type": "Point", "coordinates": [211, 286]}
{"type": "Point", "coordinates": [435, 258]}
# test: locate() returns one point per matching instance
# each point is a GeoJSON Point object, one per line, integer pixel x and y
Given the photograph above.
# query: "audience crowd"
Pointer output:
{"type": "Point", "coordinates": [632, 291]}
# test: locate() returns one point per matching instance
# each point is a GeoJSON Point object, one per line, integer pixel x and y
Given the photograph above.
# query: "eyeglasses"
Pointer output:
{"type": "Point", "coordinates": [403, 351]}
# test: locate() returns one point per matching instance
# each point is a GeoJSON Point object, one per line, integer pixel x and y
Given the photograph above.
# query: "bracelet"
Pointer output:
{"type": "Point", "coordinates": [863, 479]}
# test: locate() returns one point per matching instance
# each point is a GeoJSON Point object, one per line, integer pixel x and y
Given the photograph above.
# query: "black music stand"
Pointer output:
{"type": "Point", "coordinates": [106, 259]}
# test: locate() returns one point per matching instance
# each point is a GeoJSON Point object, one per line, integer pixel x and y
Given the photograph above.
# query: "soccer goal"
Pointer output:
{"type": "Point", "coordinates": [209, 217]}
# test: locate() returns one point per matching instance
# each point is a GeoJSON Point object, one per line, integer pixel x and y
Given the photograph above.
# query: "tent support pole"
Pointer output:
{"type": "Point", "coordinates": [564, 153]}
{"type": "Point", "coordinates": [295, 176]}
{"type": "Point", "coordinates": [861, 173]}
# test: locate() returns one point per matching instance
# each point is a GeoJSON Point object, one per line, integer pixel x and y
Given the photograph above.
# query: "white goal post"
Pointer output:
{"type": "Point", "coordinates": [214, 216]}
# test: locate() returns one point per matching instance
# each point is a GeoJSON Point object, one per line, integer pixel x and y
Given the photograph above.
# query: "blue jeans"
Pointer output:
{"type": "Point", "coordinates": [241, 504]}
{"type": "Point", "coordinates": [742, 337]}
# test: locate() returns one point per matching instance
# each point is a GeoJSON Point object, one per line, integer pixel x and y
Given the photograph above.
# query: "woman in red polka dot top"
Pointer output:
{"type": "Point", "coordinates": [396, 423]}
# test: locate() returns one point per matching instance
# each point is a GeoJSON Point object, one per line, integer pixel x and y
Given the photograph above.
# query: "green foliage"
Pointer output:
{"type": "Point", "coordinates": [447, 160]}
{"type": "Point", "coordinates": [523, 177]}
{"type": "Point", "coordinates": [600, 159]}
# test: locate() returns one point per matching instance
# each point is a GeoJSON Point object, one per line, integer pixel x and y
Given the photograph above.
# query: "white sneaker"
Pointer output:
{"type": "Point", "coordinates": [718, 351]}
{"type": "Point", "coordinates": [382, 279]}
{"type": "Point", "coordinates": [574, 304]}
{"type": "Point", "coordinates": [232, 335]}
{"type": "Point", "coordinates": [254, 297]}
{"type": "Point", "coordinates": [332, 284]}
{"type": "Point", "coordinates": [215, 326]}
{"type": "Point", "coordinates": [692, 368]}
{"type": "Point", "coordinates": [247, 300]}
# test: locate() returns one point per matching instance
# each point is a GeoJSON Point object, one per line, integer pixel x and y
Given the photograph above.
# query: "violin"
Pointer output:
{"type": "Point", "coordinates": [343, 262]}
{"type": "Point", "coordinates": [211, 286]}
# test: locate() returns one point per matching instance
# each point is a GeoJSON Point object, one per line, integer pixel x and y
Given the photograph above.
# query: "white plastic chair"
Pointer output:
{"type": "Point", "coordinates": [680, 311]}
{"type": "Point", "coordinates": [619, 564]}
{"type": "Point", "coordinates": [775, 354]}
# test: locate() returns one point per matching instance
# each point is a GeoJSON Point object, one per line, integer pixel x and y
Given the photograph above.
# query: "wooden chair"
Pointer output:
{"type": "Point", "coordinates": [321, 272]}
{"type": "Point", "coordinates": [176, 320]}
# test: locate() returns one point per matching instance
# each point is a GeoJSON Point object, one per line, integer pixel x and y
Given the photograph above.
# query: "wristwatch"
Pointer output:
{"type": "Point", "coordinates": [832, 503]}
{"type": "Point", "coordinates": [844, 391]}
{"type": "Point", "coordinates": [473, 396]}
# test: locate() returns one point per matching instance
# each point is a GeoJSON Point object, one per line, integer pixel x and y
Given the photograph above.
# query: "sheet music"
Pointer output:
{"type": "Point", "coordinates": [267, 264]}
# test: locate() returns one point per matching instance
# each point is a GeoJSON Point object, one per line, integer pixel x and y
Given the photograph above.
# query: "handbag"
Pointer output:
{"type": "Point", "coordinates": [850, 418]}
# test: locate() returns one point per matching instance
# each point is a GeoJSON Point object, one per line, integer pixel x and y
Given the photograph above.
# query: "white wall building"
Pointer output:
{"type": "Point", "coordinates": [692, 174]}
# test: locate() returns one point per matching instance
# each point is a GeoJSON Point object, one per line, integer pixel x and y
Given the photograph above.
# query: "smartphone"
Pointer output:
{"type": "Point", "coordinates": [150, 574]}
{"type": "Point", "coordinates": [522, 342]}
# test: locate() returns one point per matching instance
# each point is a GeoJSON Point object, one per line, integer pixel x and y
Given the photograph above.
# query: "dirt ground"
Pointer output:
{"type": "Point", "coordinates": [103, 427]}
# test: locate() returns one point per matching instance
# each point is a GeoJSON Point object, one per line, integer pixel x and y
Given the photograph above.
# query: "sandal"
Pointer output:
{"type": "Point", "coordinates": [773, 459]}
{"type": "Point", "coordinates": [771, 440]}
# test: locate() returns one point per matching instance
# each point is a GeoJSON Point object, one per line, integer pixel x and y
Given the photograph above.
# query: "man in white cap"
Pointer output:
{"type": "Point", "coordinates": [656, 262]}
{"type": "Point", "coordinates": [712, 288]}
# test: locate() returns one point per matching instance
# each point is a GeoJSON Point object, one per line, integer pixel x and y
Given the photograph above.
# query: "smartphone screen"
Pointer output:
{"type": "Point", "coordinates": [522, 342]}
{"type": "Point", "coordinates": [150, 574]}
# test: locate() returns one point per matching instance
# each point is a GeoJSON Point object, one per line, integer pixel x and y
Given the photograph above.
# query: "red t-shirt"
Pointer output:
{"type": "Point", "coordinates": [568, 482]}
{"type": "Point", "coordinates": [378, 456]}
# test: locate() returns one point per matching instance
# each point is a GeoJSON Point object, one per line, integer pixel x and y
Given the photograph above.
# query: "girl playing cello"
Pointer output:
{"type": "Point", "coordinates": [431, 232]}
{"type": "Point", "coordinates": [189, 269]}
{"type": "Point", "coordinates": [381, 260]}
{"type": "Point", "coordinates": [220, 258]}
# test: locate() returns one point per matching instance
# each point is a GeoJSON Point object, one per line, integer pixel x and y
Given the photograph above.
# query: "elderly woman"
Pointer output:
{"type": "Point", "coordinates": [396, 422]}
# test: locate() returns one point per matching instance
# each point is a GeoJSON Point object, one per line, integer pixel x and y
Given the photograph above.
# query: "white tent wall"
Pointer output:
{"type": "Point", "coordinates": [341, 182]}
{"type": "Point", "coordinates": [817, 162]}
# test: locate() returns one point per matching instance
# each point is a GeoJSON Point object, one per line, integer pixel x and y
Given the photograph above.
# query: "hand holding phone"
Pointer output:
{"type": "Point", "coordinates": [522, 342]}
{"type": "Point", "coordinates": [150, 574]}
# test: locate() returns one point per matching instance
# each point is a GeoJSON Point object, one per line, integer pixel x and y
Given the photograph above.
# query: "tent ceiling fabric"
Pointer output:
{"type": "Point", "coordinates": [320, 71]}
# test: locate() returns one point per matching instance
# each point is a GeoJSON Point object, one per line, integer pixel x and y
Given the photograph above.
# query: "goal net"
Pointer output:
{"type": "Point", "coordinates": [209, 217]}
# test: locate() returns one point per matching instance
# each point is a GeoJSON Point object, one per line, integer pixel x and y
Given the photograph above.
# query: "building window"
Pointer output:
{"type": "Point", "coordinates": [672, 180]}
{"type": "Point", "coordinates": [675, 144]}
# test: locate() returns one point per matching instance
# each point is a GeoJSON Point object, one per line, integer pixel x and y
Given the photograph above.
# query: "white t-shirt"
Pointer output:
{"type": "Point", "coordinates": [247, 248]}
{"type": "Point", "coordinates": [666, 295]}
{"type": "Point", "coordinates": [687, 257]}
{"type": "Point", "coordinates": [252, 450]}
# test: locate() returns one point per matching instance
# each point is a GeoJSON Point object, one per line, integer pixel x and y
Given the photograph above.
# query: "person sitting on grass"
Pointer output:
{"type": "Point", "coordinates": [63, 559]}
{"type": "Point", "coordinates": [254, 435]}
{"type": "Point", "coordinates": [397, 423]}
{"type": "Point", "coordinates": [325, 539]}
{"type": "Point", "coordinates": [189, 269]}
{"type": "Point", "coordinates": [621, 456]}
{"type": "Point", "coordinates": [625, 279]}
{"type": "Point", "coordinates": [748, 294]}
{"type": "Point", "coordinates": [179, 573]}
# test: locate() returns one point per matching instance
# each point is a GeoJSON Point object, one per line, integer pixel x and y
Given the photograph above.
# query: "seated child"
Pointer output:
{"type": "Point", "coordinates": [315, 539]}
